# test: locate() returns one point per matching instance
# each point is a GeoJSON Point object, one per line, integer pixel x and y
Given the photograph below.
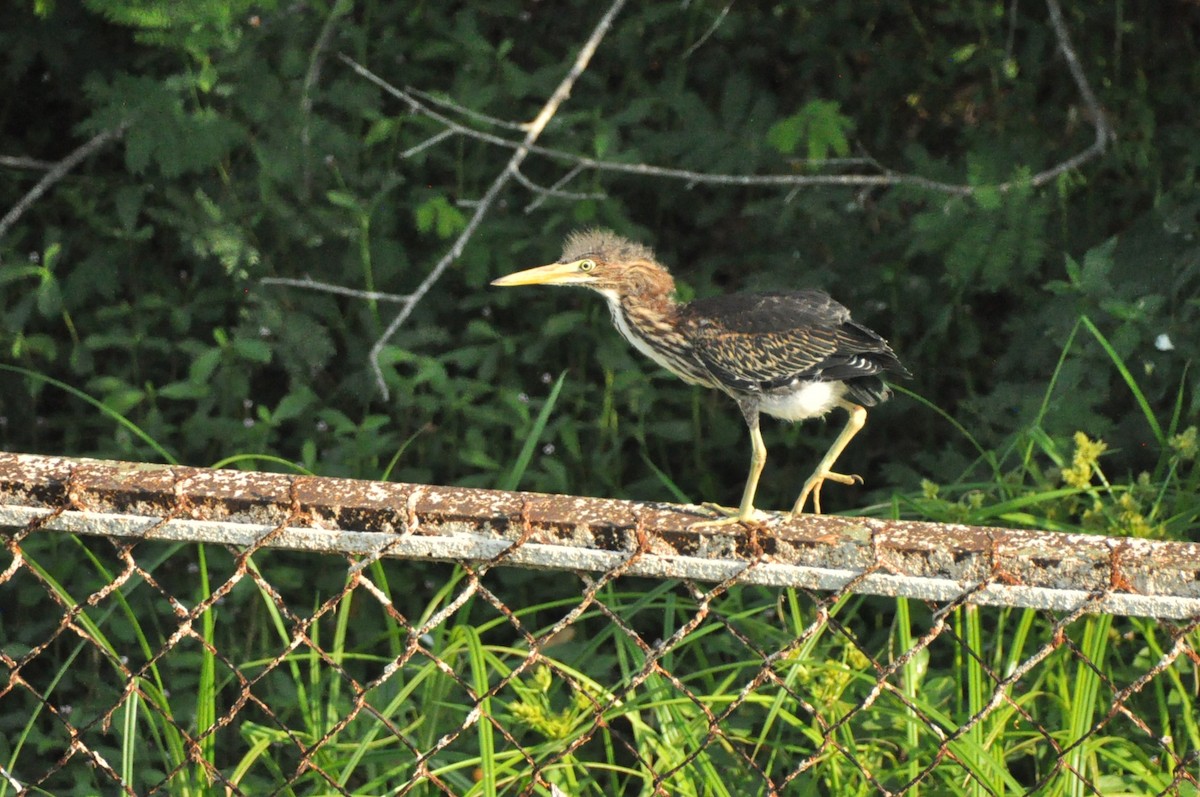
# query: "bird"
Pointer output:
{"type": "Point", "coordinates": [790, 355]}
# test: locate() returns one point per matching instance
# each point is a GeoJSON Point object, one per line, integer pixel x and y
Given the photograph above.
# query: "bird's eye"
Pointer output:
{"type": "Point", "coordinates": [587, 265]}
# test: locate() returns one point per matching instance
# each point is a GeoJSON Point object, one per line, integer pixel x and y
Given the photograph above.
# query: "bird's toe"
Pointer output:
{"type": "Point", "coordinates": [732, 516]}
{"type": "Point", "coordinates": [812, 487]}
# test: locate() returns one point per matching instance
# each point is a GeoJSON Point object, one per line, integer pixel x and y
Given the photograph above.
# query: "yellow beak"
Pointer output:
{"type": "Point", "coordinates": [553, 274]}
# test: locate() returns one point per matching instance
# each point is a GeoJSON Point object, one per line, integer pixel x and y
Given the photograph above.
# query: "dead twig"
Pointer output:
{"type": "Point", "coordinates": [57, 172]}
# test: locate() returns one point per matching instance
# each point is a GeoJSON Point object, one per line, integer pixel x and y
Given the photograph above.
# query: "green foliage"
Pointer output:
{"type": "Point", "coordinates": [438, 214]}
{"type": "Point", "coordinates": [136, 321]}
{"type": "Point", "coordinates": [196, 27]}
{"type": "Point", "coordinates": [820, 125]}
{"type": "Point", "coordinates": [249, 154]}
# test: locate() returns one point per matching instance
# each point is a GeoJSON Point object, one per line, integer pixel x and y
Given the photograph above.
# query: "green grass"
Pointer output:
{"type": "Point", "coordinates": [1036, 481]}
{"type": "Point", "coordinates": [588, 713]}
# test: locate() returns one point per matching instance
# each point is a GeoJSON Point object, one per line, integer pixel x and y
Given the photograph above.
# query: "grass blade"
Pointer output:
{"type": "Point", "coordinates": [666, 480]}
{"type": "Point", "coordinates": [104, 408]}
{"type": "Point", "coordinates": [1138, 395]}
{"type": "Point", "coordinates": [513, 477]}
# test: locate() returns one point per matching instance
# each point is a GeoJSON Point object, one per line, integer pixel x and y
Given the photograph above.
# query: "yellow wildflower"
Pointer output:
{"type": "Point", "coordinates": [1185, 444]}
{"type": "Point", "coordinates": [1131, 519]}
{"type": "Point", "coordinates": [1084, 461]}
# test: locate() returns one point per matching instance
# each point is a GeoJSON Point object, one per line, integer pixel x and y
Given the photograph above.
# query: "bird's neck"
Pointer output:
{"type": "Point", "coordinates": [649, 291]}
{"type": "Point", "coordinates": [638, 317]}
{"type": "Point", "coordinates": [659, 306]}
{"type": "Point", "coordinates": [651, 322]}
{"type": "Point", "coordinates": [644, 309]}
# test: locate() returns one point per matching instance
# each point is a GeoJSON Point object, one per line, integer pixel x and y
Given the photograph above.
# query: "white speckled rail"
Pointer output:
{"type": "Point", "coordinates": [927, 561]}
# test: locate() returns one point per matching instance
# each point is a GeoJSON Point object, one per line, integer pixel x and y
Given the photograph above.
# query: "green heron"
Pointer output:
{"type": "Point", "coordinates": [791, 355]}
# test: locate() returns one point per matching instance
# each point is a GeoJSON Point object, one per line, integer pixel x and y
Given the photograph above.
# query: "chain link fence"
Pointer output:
{"type": "Point", "coordinates": [178, 631]}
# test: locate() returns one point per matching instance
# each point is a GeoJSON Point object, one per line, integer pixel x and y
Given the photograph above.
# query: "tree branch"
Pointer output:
{"type": "Point", "coordinates": [57, 172]}
{"type": "Point", "coordinates": [311, 284]}
{"type": "Point", "coordinates": [885, 176]}
{"type": "Point", "coordinates": [555, 190]}
{"type": "Point", "coordinates": [18, 162]}
{"type": "Point", "coordinates": [312, 76]}
{"type": "Point", "coordinates": [1099, 119]}
{"type": "Point", "coordinates": [522, 150]}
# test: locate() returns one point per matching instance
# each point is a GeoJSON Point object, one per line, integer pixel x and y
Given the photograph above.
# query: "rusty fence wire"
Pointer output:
{"type": "Point", "coordinates": [173, 630]}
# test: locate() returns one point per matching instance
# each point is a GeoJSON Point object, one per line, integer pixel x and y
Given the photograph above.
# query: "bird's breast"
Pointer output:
{"type": "Point", "coordinates": [660, 340]}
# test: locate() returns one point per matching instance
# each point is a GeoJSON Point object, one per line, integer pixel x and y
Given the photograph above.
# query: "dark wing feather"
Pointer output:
{"type": "Point", "coordinates": [758, 342]}
{"type": "Point", "coordinates": [769, 312]}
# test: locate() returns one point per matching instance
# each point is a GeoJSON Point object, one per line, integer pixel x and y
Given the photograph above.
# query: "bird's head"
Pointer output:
{"type": "Point", "coordinates": [603, 261]}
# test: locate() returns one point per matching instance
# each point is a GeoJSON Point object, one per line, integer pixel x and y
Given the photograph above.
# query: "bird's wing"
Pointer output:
{"type": "Point", "coordinates": [761, 341]}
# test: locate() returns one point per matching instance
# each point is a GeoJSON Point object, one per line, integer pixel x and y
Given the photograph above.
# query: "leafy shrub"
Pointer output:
{"type": "Point", "coordinates": [143, 279]}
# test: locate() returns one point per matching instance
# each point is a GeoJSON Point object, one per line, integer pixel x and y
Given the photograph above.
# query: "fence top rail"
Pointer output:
{"type": "Point", "coordinates": [929, 561]}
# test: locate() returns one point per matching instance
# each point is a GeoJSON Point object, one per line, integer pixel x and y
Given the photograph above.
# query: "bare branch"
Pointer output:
{"type": "Point", "coordinates": [1099, 119]}
{"type": "Point", "coordinates": [553, 190]}
{"type": "Point", "coordinates": [311, 284]}
{"type": "Point", "coordinates": [711, 30]}
{"type": "Point", "coordinates": [1012, 28]}
{"type": "Point", "coordinates": [533, 131]}
{"type": "Point", "coordinates": [18, 162]}
{"type": "Point", "coordinates": [316, 59]}
{"type": "Point", "coordinates": [885, 176]}
{"type": "Point", "coordinates": [427, 143]}
{"type": "Point", "coordinates": [645, 169]}
{"type": "Point", "coordinates": [470, 113]}
{"type": "Point", "coordinates": [56, 173]}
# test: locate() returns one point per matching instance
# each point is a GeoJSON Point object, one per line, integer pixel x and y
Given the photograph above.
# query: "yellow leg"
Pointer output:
{"type": "Point", "coordinates": [858, 418]}
{"type": "Point", "coordinates": [758, 458]}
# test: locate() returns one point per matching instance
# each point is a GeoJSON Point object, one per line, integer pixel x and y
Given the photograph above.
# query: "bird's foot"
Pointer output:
{"type": "Point", "coordinates": [813, 487]}
{"type": "Point", "coordinates": [732, 516]}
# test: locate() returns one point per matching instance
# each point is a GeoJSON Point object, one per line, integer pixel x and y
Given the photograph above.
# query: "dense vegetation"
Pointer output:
{"type": "Point", "coordinates": [1050, 329]}
{"type": "Point", "coordinates": [253, 152]}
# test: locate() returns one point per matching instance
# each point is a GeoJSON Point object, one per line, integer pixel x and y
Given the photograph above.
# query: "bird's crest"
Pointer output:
{"type": "Point", "coordinates": [604, 245]}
